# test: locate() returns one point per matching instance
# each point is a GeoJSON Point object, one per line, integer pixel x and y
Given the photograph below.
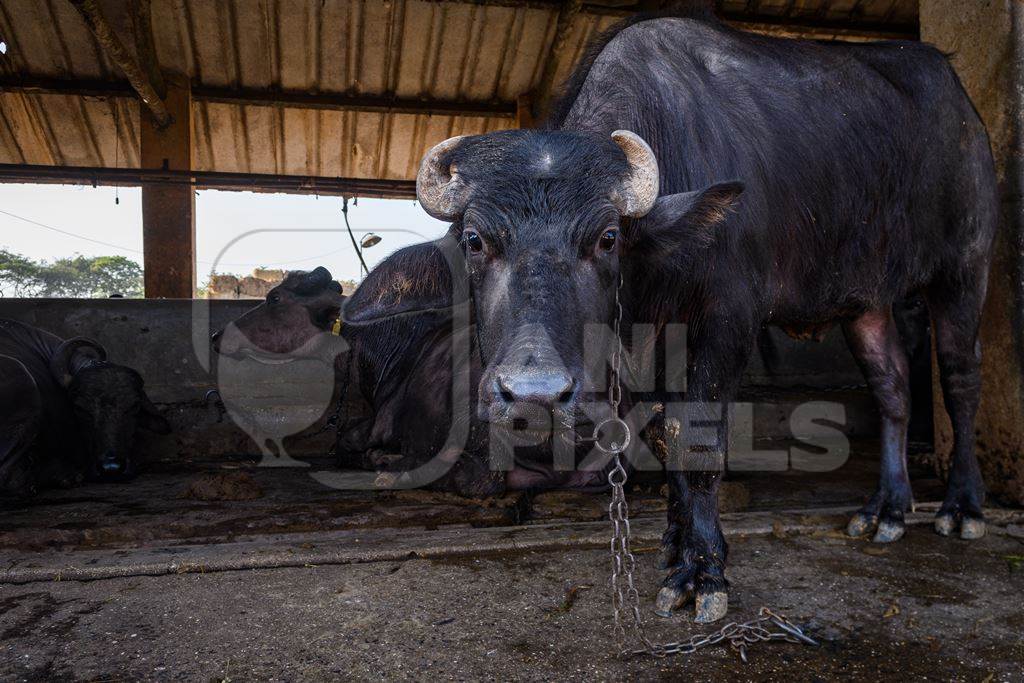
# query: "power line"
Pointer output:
{"type": "Point", "coordinates": [70, 234]}
{"type": "Point", "coordinates": [198, 262]}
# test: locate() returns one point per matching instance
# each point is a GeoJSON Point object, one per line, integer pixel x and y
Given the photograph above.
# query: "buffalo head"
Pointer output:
{"type": "Point", "coordinates": [109, 404]}
{"type": "Point", "coordinates": [547, 224]}
{"type": "Point", "coordinates": [289, 323]}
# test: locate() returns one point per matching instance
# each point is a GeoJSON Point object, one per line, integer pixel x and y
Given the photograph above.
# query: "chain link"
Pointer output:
{"type": "Point", "coordinates": [625, 595]}
{"type": "Point", "coordinates": [335, 421]}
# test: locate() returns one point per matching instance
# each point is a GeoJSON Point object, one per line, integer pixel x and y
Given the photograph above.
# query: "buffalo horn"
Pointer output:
{"type": "Point", "coordinates": [60, 363]}
{"type": "Point", "coordinates": [439, 189]}
{"type": "Point", "coordinates": [636, 196]}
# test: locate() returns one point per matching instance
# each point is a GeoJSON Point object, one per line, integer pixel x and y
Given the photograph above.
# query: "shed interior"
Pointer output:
{"type": "Point", "coordinates": [333, 97]}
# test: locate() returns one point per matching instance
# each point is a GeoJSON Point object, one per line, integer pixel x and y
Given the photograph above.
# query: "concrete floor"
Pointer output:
{"type": "Point", "coordinates": [288, 580]}
{"type": "Point", "coordinates": [161, 503]}
{"type": "Point", "coordinates": [925, 608]}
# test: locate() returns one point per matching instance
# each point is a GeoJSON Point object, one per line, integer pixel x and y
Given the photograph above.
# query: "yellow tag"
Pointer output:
{"type": "Point", "coordinates": [336, 327]}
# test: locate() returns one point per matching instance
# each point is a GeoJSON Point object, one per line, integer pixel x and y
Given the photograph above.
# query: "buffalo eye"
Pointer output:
{"type": "Point", "coordinates": [274, 298]}
{"type": "Point", "coordinates": [608, 239]}
{"type": "Point", "coordinates": [473, 241]}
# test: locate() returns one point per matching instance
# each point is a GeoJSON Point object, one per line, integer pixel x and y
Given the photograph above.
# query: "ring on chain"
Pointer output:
{"type": "Point", "coordinates": [613, 447]}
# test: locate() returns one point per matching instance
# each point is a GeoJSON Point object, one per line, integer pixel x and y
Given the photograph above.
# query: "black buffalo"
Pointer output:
{"type": "Point", "coordinates": [65, 411]}
{"type": "Point", "coordinates": [403, 369]}
{"type": "Point", "coordinates": [729, 181]}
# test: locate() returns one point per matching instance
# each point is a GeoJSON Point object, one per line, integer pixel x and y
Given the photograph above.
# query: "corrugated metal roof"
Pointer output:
{"type": "Point", "coordinates": [443, 50]}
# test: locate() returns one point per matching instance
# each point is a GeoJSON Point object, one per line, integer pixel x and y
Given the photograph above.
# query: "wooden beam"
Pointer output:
{"type": "Point", "coordinates": [79, 87]}
{"type": "Point", "coordinates": [124, 59]}
{"type": "Point", "coordinates": [145, 46]}
{"type": "Point", "coordinates": [545, 87]}
{"type": "Point", "coordinates": [169, 211]}
{"type": "Point", "coordinates": [588, 8]}
{"type": "Point", "coordinates": [752, 21]}
{"type": "Point", "coordinates": [289, 99]}
{"type": "Point", "coordinates": [760, 23]}
{"type": "Point", "coordinates": [209, 180]}
{"type": "Point", "coordinates": [370, 103]}
{"type": "Point", "coordinates": [524, 112]}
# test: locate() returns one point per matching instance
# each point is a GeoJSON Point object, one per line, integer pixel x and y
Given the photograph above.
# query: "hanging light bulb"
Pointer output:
{"type": "Point", "coordinates": [369, 240]}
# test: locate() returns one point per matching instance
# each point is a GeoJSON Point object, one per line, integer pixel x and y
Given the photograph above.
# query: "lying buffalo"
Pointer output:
{"type": "Point", "coordinates": [65, 411]}
{"type": "Point", "coordinates": [728, 181]}
{"type": "Point", "coordinates": [403, 369]}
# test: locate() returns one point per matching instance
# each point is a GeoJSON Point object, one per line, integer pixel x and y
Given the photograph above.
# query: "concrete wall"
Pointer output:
{"type": "Point", "coordinates": [986, 41]}
{"type": "Point", "coordinates": [166, 341]}
{"type": "Point", "coordinates": [156, 338]}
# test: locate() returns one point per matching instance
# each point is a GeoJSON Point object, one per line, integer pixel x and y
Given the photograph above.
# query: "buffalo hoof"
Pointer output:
{"type": "Point", "coordinates": [711, 607]}
{"type": "Point", "coordinates": [889, 531]}
{"type": "Point", "coordinates": [945, 524]}
{"type": "Point", "coordinates": [386, 480]}
{"type": "Point", "coordinates": [861, 524]}
{"type": "Point", "coordinates": [972, 529]}
{"type": "Point", "coordinates": [668, 600]}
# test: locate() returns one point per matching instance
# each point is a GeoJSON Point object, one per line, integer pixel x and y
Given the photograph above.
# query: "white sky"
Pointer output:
{"type": "Point", "coordinates": [236, 230]}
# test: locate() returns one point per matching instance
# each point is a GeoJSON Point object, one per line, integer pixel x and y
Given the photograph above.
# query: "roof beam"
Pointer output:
{"type": "Point", "coordinates": [545, 4]}
{"type": "Point", "coordinates": [124, 59]}
{"type": "Point", "coordinates": [345, 102]}
{"type": "Point", "coordinates": [271, 98]}
{"type": "Point", "coordinates": [145, 46]}
{"type": "Point", "coordinates": [79, 87]}
{"type": "Point", "coordinates": [215, 180]}
{"type": "Point", "coordinates": [766, 23]}
{"type": "Point", "coordinates": [751, 20]}
{"type": "Point", "coordinates": [541, 96]}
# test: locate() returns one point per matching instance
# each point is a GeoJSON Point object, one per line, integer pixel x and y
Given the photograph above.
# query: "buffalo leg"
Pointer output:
{"type": "Point", "coordinates": [875, 343]}
{"type": "Point", "coordinates": [693, 547]}
{"type": "Point", "coordinates": [956, 320]}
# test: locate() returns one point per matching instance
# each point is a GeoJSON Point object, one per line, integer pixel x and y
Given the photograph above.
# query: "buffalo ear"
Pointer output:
{"type": "Point", "coordinates": [151, 419]}
{"type": "Point", "coordinates": [696, 213]}
{"type": "Point", "coordinates": [314, 281]}
{"type": "Point", "coordinates": [414, 279]}
{"type": "Point", "coordinates": [329, 309]}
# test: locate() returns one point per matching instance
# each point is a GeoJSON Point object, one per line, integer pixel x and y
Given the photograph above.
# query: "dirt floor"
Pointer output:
{"type": "Point", "coordinates": [925, 609]}
{"type": "Point", "coordinates": [240, 573]}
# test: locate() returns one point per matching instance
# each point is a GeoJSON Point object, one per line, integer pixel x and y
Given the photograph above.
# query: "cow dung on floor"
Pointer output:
{"type": "Point", "coordinates": [224, 486]}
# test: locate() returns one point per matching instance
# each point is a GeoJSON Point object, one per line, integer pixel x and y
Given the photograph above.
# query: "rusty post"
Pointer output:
{"type": "Point", "coordinates": [524, 112]}
{"type": "Point", "coordinates": [169, 210]}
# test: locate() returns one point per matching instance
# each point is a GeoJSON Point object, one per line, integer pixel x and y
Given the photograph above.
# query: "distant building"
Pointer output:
{"type": "Point", "coordinates": [253, 286]}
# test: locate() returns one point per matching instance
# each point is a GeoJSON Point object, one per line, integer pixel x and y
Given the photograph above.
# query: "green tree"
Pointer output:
{"type": "Point", "coordinates": [18, 275]}
{"type": "Point", "coordinates": [72, 276]}
{"type": "Point", "coordinates": [115, 275]}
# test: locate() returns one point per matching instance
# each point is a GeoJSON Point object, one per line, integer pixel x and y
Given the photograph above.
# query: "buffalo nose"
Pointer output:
{"type": "Point", "coordinates": [110, 464]}
{"type": "Point", "coordinates": [541, 388]}
{"type": "Point", "coordinates": [215, 340]}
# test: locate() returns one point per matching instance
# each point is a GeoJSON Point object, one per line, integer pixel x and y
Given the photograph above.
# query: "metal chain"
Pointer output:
{"type": "Point", "coordinates": [340, 422]}
{"type": "Point", "coordinates": [330, 423]}
{"type": "Point", "coordinates": [625, 595]}
{"type": "Point", "coordinates": [334, 422]}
